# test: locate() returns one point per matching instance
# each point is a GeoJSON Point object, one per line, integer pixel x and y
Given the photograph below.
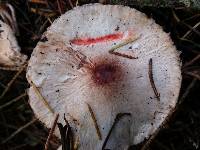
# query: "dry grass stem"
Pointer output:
{"type": "Point", "coordinates": [13, 101]}
{"type": "Point", "coordinates": [188, 32]}
{"type": "Point", "coordinates": [47, 13]}
{"type": "Point", "coordinates": [95, 122]}
{"type": "Point", "coordinates": [197, 57]}
{"type": "Point", "coordinates": [19, 130]}
{"type": "Point", "coordinates": [185, 24]}
{"type": "Point", "coordinates": [41, 97]}
{"type": "Point", "coordinates": [77, 3]}
{"type": "Point", "coordinates": [51, 131]}
{"type": "Point", "coordinates": [193, 74]}
{"type": "Point", "coordinates": [187, 91]}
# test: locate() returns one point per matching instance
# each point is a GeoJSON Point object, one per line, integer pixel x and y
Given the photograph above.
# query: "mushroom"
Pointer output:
{"type": "Point", "coordinates": [112, 71]}
{"type": "Point", "coordinates": [10, 55]}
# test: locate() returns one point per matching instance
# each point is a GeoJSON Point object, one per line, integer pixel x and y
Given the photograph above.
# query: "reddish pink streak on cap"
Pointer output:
{"type": "Point", "coordinates": [88, 41]}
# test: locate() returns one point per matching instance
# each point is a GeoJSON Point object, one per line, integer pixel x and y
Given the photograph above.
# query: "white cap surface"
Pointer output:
{"type": "Point", "coordinates": [87, 33]}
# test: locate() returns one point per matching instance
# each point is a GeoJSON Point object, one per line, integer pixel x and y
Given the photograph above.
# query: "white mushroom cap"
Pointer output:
{"type": "Point", "coordinates": [72, 67]}
{"type": "Point", "coordinates": [10, 55]}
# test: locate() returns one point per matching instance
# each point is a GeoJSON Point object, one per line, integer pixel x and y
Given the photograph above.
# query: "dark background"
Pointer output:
{"type": "Point", "coordinates": [182, 131]}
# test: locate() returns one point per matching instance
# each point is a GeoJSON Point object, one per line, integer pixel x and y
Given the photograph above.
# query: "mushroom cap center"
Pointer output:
{"type": "Point", "coordinates": [104, 74]}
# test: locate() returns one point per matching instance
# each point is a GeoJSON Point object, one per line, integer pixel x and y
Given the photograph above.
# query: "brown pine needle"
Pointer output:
{"type": "Point", "coordinates": [126, 42]}
{"type": "Point", "coordinates": [117, 119]}
{"type": "Point", "coordinates": [12, 81]}
{"type": "Point", "coordinates": [124, 55]}
{"type": "Point", "coordinates": [185, 24]}
{"type": "Point", "coordinates": [95, 122]}
{"type": "Point", "coordinates": [41, 97]}
{"type": "Point", "coordinates": [196, 58]}
{"type": "Point", "coordinates": [188, 32]}
{"type": "Point", "coordinates": [13, 101]}
{"type": "Point", "coordinates": [151, 79]}
{"type": "Point", "coordinates": [18, 131]}
{"type": "Point", "coordinates": [193, 74]}
{"type": "Point", "coordinates": [51, 131]}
